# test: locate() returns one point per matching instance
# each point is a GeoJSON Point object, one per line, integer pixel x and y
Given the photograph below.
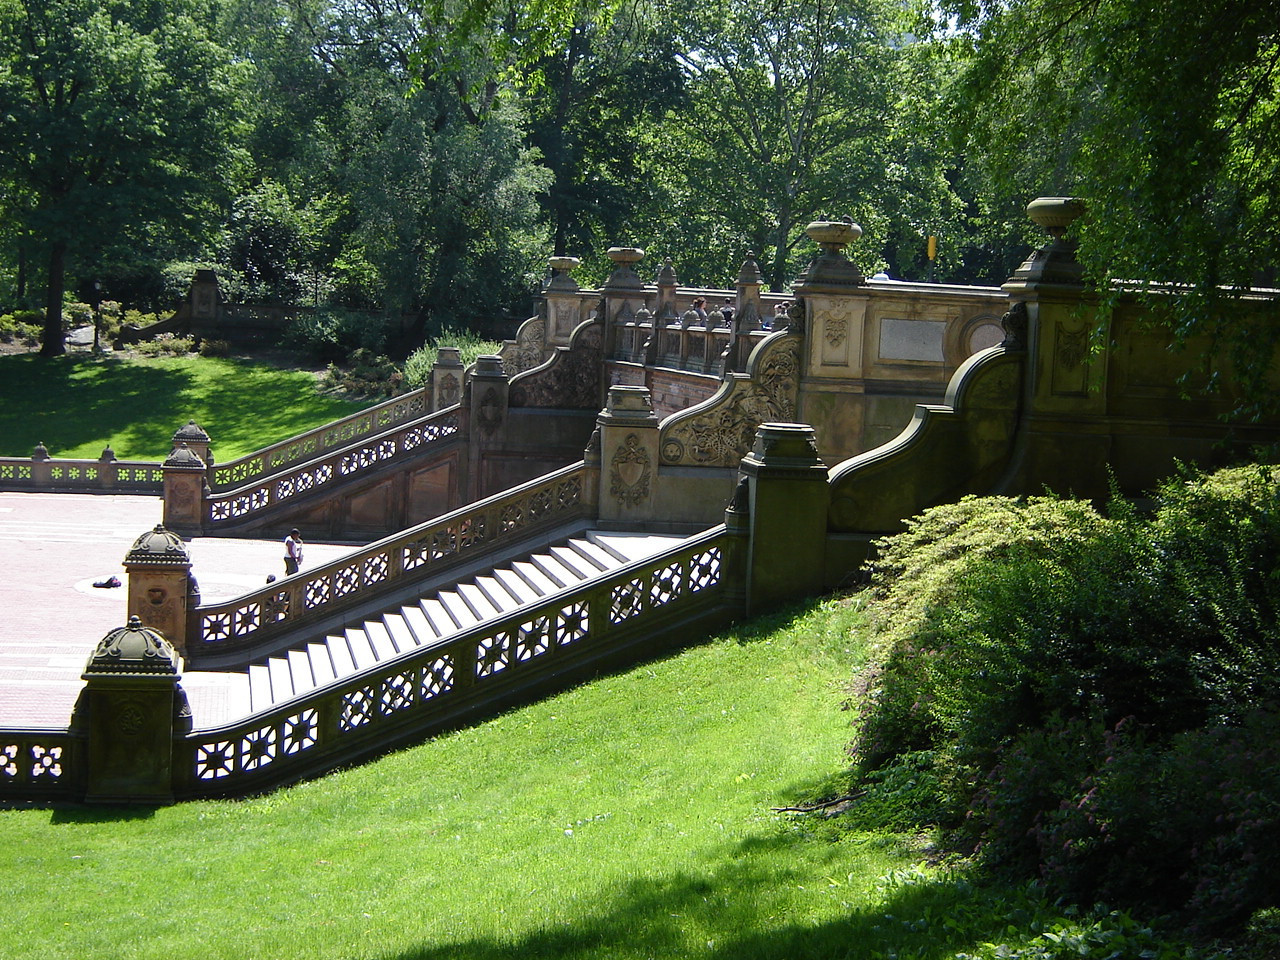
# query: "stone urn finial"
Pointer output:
{"type": "Point", "coordinates": [624, 275]}
{"type": "Point", "coordinates": [833, 235]}
{"type": "Point", "coordinates": [1056, 214]}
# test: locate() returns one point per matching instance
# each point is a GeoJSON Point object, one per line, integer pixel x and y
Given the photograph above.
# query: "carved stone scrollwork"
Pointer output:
{"type": "Point", "coordinates": [722, 431]}
{"type": "Point", "coordinates": [528, 347]}
{"type": "Point", "coordinates": [489, 414]}
{"type": "Point", "coordinates": [1015, 327]}
{"type": "Point", "coordinates": [569, 381]}
{"type": "Point", "coordinates": [835, 322]}
{"type": "Point", "coordinates": [450, 389]}
{"type": "Point", "coordinates": [795, 316]}
{"type": "Point", "coordinates": [630, 472]}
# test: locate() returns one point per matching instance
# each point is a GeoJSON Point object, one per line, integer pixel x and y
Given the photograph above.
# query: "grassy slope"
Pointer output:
{"type": "Point", "coordinates": [78, 404]}
{"type": "Point", "coordinates": [627, 818]}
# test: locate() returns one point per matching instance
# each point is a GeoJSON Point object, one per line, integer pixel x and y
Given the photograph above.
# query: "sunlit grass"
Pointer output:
{"type": "Point", "coordinates": [78, 404]}
{"type": "Point", "coordinates": [627, 818]}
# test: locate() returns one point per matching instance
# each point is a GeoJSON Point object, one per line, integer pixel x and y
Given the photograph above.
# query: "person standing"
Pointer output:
{"type": "Point", "coordinates": [292, 552]}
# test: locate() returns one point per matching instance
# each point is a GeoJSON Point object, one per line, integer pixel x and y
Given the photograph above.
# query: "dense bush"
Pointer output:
{"type": "Point", "coordinates": [1096, 692]}
{"type": "Point", "coordinates": [166, 345]}
{"type": "Point", "coordinates": [417, 367]}
{"type": "Point", "coordinates": [332, 336]}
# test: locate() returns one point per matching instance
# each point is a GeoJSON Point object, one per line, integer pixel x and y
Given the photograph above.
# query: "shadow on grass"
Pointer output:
{"type": "Point", "coordinates": [66, 402]}
{"type": "Point", "coordinates": [135, 406]}
{"type": "Point", "coordinates": [731, 913]}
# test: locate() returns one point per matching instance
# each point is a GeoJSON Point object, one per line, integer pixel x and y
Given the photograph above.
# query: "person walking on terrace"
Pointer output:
{"type": "Point", "coordinates": [292, 552]}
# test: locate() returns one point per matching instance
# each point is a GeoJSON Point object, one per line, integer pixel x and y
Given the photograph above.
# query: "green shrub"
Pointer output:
{"type": "Point", "coordinates": [417, 367]}
{"type": "Point", "coordinates": [331, 336]}
{"type": "Point", "coordinates": [215, 348]}
{"type": "Point", "coordinates": [17, 328]}
{"type": "Point", "coordinates": [1088, 686]}
{"type": "Point", "coordinates": [166, 345]}
{"type": "Point", "coordinates": [366, 375]}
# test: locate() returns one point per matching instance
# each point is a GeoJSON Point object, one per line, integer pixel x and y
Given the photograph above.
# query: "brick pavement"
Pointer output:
{"type": "Point", "coordinates": [52, 549]}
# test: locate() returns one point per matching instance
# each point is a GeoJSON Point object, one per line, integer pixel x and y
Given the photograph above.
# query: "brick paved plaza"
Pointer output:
{"type": "Point", "coordinates": [53, 548]}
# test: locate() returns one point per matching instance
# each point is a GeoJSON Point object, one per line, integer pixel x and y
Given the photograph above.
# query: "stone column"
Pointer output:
{"type": "Point", "coordinates": [562, 298]}
{"type": "Point", "coordinates": [41, 468]}
{"type": "Point", "coordinates": [129, 708]}
{"type": "Point", "coordinates": [1067, 441]}
{"type": "Point", "coordinates": [831, 312]}
{"type": "Point", "coordinates": [628, 457]}
{"type": "Point", "coordinates": [446, 378]}
{"type": "Point", "coordinates": [623, 295]}
{"type": "Point", "coordinates": [107, 470]}
{"type": "Point", "coordinates": [184, 490]}
{"type": "Point", "coordinates": [488, 399]}
{"type": "Point", "coordinates": [160, 585]}
{"type": "Point", "coordinates": [787, 499]}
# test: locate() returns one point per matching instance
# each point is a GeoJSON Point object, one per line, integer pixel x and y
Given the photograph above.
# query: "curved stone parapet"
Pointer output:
{"type": "Point", "coordinates": [721, 430]}
{"type": "Point", "coordinates": [948, 450]}
{"type": "Point", "coordinates": [569, 379]}
{"type": "Point", "coordinates": [527, 350]}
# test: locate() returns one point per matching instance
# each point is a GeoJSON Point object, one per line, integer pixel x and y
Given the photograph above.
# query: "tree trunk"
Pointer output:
{"type": "Point", "coordinates": [52, 342]}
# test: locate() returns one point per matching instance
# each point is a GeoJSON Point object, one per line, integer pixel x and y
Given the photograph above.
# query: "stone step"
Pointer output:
{"type": "Point", "coordinates": [435, 617]}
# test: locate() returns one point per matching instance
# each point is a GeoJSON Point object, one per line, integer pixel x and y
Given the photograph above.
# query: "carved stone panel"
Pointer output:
{"type": "Point", "coordinates": [721, 432]}
{"type": "Point", "coordinates": [630, 472]}
{"type": "Point", "coordinates": [569, 381]}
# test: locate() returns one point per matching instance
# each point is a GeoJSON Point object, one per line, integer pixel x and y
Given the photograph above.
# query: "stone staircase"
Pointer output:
{"type": "Point", "coordinates": [442, 613]}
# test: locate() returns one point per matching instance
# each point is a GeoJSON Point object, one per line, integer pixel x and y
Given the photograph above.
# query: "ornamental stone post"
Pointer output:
{"type": "Point", "coordinates": [446, 378]}
{"type": "Point", "coordinates": [129, 709]}
{"type": "Point", "coordinates": [488, 398]}
{"type": "Point", "coordinates": [746, 316]}
{"type": "Point", "coordinates": [831, 311]}
{"type": "Point", "coordinates": [160, 586]}
{"type": "Point", "coordinates": [195, 438]}
{"type": "Point", "coordinates": [107, 469]}
{"type": "Point", "coordinates": [184, 490]}
{"type": "Point", "coordinates": [1066, 385]}
{"type": "Point", "coordinates": [628, 456]}
{"type": "Point", "coordinates": [562, 298]}
{"type": "Point", "coordinates": [787, 497]}
{"type": "Point", "coordinates": [41, 468]}
{"type": "Point", "coordinates": [623, 295]}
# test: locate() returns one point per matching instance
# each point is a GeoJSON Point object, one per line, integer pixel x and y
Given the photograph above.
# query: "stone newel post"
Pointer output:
{"type": "Point", "coordinates": [562, 296]}
{"type": "Point", "coordinates": [628, 455]}
{"type": "Point", "coordinates": [129, 708]}
{"type": "Point", "coordinates": [160, 585]}
{"type": "Point", "coordinates": [446, 378]}
{"type": "Point", "coordinates": [184, 489]}
{"type": "Point", "coordinates": [787, 499]}
{"type": "Point", "coordinates": [487, 398]}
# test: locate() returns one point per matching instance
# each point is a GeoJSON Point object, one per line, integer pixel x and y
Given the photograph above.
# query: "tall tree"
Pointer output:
{"type": "Point", "coordinates": [113, 117]}
{"type": "Point", "coordinates": [789, 107]}
{"type": "Point", "coordinates": [1165, 117]}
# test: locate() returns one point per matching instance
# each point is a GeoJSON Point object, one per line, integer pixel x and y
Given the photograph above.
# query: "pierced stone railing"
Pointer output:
{"type": "Point", "coordinates": [331, 436]}
{"type": "Point", "coordinates": [242, 503]}
{"type": "Point", "coordinates": [40, 765]}
{"type": "Point", "coordinates": [246, 622]}
{"type": "Point", "coordinates": [81, 476]}
{"type": "Point", "coordinates": [611, 619]}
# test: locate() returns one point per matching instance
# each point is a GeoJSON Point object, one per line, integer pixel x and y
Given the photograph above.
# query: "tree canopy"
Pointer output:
{"type": "Point", "coordinates": [111, 120]}
{"type": "Point", "coordinates": [1164, 117]}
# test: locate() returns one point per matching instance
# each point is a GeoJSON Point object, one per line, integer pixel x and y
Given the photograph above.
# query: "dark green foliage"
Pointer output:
{"type": "Point", "coordinates": [1098, 691]}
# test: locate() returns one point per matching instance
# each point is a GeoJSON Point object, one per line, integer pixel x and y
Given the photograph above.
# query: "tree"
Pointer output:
{"type": "Point", "coordinates": [115, 119]}
{"type": "Point", "coordinates": [789, 106]}
{"type": "Point", "coordinates": [1165, 118]}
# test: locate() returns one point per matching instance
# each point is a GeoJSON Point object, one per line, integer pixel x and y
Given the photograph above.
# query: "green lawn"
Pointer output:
{"type": "Point", "coordinates": [627, 818]}
{"type": "Point", "coordinates": [77, 404]}
{"type": "Point", "coordinates": [630, 818]}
